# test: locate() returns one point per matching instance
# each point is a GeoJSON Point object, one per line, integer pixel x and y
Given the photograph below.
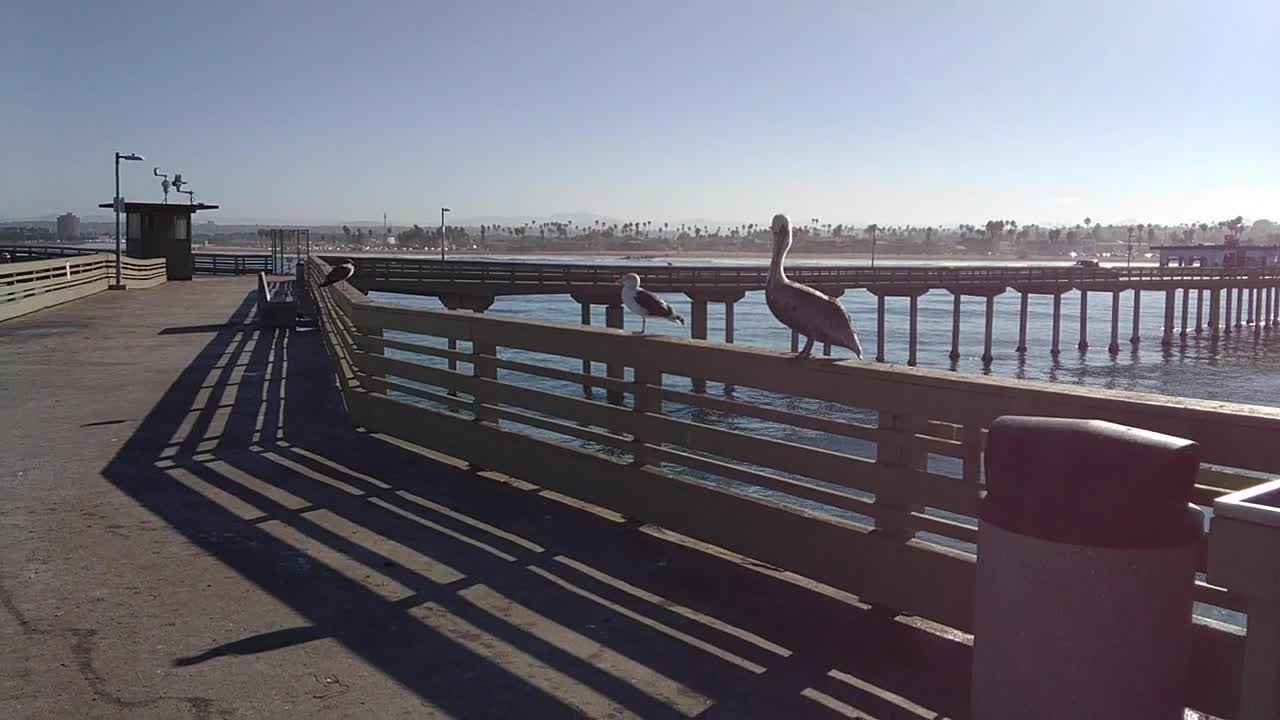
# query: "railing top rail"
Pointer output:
{"type": "Point", "coordinates": [26, 266]}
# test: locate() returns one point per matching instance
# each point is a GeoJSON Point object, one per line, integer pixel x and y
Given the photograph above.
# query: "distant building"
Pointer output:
{"type": "Point", "coordinates": [1229, 255]}
{"type": "Point", "coordinates": [68, 227]}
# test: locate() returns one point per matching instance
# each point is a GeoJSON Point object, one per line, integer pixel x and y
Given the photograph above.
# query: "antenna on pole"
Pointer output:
{"type": "Point", "coordinates": [164, 184]}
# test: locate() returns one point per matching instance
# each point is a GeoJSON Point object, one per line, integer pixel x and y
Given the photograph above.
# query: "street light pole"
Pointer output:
{"type": "Point", "coordinates": [1129, 262]}
{"type": "Point", "coordinates": [117, 203]}
{"type": "Point", "coordinates": [443, 210]}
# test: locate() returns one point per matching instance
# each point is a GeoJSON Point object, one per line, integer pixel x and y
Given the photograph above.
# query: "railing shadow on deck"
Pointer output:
{"type": "Point", "coordinates": [486, 596]}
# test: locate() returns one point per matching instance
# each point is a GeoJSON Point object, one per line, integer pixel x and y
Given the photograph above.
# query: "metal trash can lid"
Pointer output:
{"type": "Point", "coordinates": [1090, 482]}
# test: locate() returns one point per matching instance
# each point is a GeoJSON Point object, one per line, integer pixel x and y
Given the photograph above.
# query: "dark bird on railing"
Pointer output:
{"type": "Point", "coordinates": [810, 313]}
{"type": "Point", "coordinates": [339, 273]}
{"type": "Point", "coordinates": [644, 303]}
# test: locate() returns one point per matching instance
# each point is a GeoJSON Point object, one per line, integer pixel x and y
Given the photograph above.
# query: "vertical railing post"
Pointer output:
{"type": "Point", "coordinates": [613, 318]}
{"type": "Point", "coordinates": [698, 330]}
{"type": "Point", "coordinates": [483, 354]}
{"type": "Point", "coordinates": [648, 383]}
{"type": "Point", "coordinates": [897, 449]}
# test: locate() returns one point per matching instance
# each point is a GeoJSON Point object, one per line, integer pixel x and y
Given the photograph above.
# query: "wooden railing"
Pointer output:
{"type": "Point", "coordinates": [509, 278]}
{"type": "Point", "coordinates": [211, 263]}
{"type": "Point", "coordinates": [35, 284]}
{"type": "Point", "coordinates": [141, 273]}
{"type": "Point", "coordinates": [860, 476]}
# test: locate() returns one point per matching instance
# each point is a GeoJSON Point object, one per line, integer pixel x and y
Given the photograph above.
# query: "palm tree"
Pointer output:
{"type": "Point", "coordinates": [871, 231]}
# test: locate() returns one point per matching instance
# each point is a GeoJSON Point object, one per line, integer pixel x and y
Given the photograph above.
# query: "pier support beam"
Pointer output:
{"type": "Point", "coordinates": [1083, 345]}
{"type": "Point", "coordinates": [795, 341]}
{"type": "Point", "coordinates": [913, 326]}
{"type": "Point", "coordinates": [1215, 305]}
{"type": "Point", "coordinates": [1186, 306]}
{"type": "Point", "coordinates": [1199, 310]}
{"type": "Point", "coordinates": [1114, 347]}
{"type": "Point", "coordinates": [1022, 322]}
{"type": "Point", "coordinates": [1170, 298]}
{"type": "Point", "coordinates": [879, 328]}
{"type": "Point", "coordinates": [1239, 306]}
{"type": "Point", "coordinates": [1266, 309]}
{"type": "Point", "coordinates": [1248, 319]}
{"type": "Point", "coordinates": [1054, 350]}
{"type": "Point", "coordinates": [698, 331]}
{"type": "Point", "coordinates": [728, 322]}
{"type": "Point", "coordinates": [987, 357]}
{"type": "Point", "coordinates": [955, 325]}
{"type": "Point", "coordinates": [1136, 337]}
{"type": "Point", "coordinates": [1226, 314]}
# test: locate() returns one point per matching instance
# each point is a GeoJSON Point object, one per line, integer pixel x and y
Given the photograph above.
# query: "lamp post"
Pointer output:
{"type": "Point", "coordinates": [119, 203]}
{"type": "Point", "coordinates": [443, 210]}
{"type": "Point", "coordinates": [1129, 262]}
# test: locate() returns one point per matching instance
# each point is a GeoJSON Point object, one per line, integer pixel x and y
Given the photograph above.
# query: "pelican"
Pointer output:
{"type": "Point", "coordinates": [340, 273]}
{"type": "Point", "coordinates": [644, 303]}
{"type": "Point", "coordinates": [801, 308]}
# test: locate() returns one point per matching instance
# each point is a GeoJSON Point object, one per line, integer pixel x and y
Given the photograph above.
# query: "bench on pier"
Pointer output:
{"type": "Point", "coordinates": [277, 302]}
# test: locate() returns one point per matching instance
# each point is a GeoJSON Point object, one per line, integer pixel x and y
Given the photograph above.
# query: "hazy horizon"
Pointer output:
{"type": "Point", "coordinates": [915, 113]}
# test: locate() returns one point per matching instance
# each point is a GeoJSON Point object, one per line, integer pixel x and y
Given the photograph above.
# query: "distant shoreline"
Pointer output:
{"type": "Point", "coordinates": [702, 254]}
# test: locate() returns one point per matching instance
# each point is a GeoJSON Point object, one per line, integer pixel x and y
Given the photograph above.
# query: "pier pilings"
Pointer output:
{"type": "Point", "coordinates": [1170, 300]}
{"type": "Point", "coordinates": [698, 303]}
{"type": "Point", "coordinates": [1055, 349]}
{"type": "Point", "coordinates": [1114, 346]}
{"type": "Point", "coordinates": [1136, 337]}
{"type": "Point", "coordinates": [1226, 313]}
{"type": "Point", "coordinates": [1083, 345]}
{"type": "Point", "coordinates": [955, 324]}
{"type": "Point", "coordinates": [1215, 306]}
{"type": "Point", "coordinates": [1023, 303]}
{"type": "Point", "coordinates": [1186, 308]}
{"type": "Point", "coordinates": [1199, 310]}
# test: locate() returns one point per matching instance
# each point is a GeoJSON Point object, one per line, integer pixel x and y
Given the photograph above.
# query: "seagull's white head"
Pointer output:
{"type": "Point", "coordinates": [630, 281]}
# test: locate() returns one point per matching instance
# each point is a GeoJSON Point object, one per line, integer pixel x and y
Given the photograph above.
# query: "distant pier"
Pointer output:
{"type": "Point", "coordinates": [1253, 293]}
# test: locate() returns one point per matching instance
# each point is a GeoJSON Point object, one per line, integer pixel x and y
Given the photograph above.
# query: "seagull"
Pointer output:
{"type": "Point", "coordinates": [810, 313]}
{"type": "Point", "coordinates": [340, 273]}
{"type": "Point", "coordinates": [644, 303]}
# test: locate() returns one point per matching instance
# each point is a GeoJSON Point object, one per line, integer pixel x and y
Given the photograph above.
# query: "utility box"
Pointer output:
{"type": "Point", "coordinates": [162, 230]}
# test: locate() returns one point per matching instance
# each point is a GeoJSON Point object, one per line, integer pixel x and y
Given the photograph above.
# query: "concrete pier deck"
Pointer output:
{"type": "Point", "coordinates": [190, 527]}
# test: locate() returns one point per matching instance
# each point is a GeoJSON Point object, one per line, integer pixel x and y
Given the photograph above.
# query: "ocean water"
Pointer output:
{"type": "Point", "coordinates": [1244, 367]}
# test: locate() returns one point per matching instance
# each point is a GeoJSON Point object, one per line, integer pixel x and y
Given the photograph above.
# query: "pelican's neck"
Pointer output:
{"type": "Point", "coordinates": [777, 273]}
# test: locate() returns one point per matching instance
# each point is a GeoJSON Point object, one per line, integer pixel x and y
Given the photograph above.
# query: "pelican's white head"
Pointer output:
{"type": "Point", "coordinates": [631, 281]}
{"type": "Point", "coordinates": [780, 223]}
{"type": "Point", "coordinates": [781, 231]}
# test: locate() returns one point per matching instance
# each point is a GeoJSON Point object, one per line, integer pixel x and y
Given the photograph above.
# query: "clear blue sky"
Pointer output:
{"type": "Point", "coordinates": [915, 111]}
